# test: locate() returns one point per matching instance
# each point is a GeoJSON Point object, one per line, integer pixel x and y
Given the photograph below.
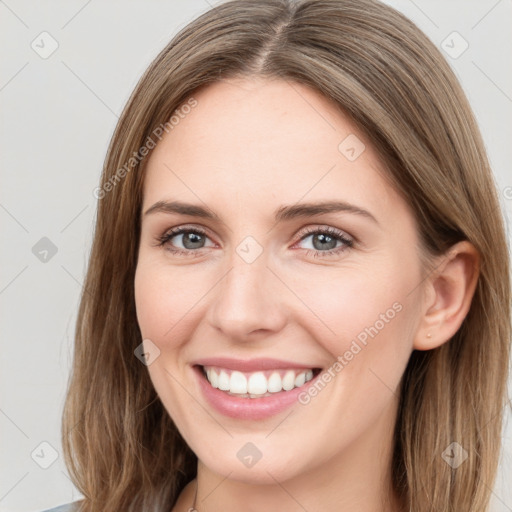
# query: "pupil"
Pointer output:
{"type": "Point", "coordinates": [325, 239]}
{"type": "Point", "coordinates": [190, 239]}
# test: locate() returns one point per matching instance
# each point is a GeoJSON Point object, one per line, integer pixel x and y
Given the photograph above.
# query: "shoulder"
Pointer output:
{"type": "Point", "coordinates": [68, 507]}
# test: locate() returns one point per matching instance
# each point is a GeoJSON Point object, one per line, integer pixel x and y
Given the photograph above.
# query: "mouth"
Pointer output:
{"type": "Point", "coordinates": [258, 384]}
{"type": "Point", "coordinates": [252, 390]}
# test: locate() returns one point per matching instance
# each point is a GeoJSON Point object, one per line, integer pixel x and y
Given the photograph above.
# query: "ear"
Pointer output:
{"type": "Point", "coordinates": [448, 294]}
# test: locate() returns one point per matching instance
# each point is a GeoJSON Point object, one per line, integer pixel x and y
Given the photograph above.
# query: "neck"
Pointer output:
{"type": "Point", "coordinates": [355, 480]}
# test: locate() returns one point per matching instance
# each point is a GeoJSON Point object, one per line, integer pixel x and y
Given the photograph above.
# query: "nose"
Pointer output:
{"type": "Point", "coordinates": [249, 301]}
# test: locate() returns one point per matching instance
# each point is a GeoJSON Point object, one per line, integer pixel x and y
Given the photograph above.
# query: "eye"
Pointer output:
{"type": "Point", "coordinates": [191, 239]}
{"type": "Point", "coordinates": [326, 241]}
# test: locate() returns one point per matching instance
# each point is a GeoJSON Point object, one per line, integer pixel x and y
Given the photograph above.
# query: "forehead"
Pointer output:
{"type": "Point", "coordinates": [262, 143]}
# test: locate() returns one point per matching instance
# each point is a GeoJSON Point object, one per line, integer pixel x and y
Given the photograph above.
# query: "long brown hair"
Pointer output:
{"type": "Point", "coordinates": [122, 449]}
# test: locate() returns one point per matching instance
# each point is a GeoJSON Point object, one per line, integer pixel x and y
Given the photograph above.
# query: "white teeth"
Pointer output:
{"type": "Point", "coordinates": [223, 381]}
{"type": "Point", "coordinates": [275, 384]}
{"type": "Point", "coordinates": [300, 379]}
{"type": "Point", "coordinates": [214, 380]}
{"type": "Point", "coordinates": [257, 384]}
{"type": "Point", "coordinates": [238, 383]}
{"type": "Point", "coordinates": [289, 380]}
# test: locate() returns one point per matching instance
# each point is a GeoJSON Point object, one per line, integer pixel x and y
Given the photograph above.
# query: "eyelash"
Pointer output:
{"type": "Point", "coordinates": [163, 240]}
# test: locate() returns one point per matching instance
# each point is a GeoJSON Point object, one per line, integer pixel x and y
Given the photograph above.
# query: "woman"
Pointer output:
{"type": "Point", "coordinates": [298, 294]}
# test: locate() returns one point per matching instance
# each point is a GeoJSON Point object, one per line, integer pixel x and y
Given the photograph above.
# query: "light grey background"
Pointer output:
{"type": "Point", "coordinates": [58, 114]}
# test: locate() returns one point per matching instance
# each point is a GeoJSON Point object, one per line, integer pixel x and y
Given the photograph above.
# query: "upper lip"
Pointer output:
{"type": "Point", "coordinates": [250, 365]}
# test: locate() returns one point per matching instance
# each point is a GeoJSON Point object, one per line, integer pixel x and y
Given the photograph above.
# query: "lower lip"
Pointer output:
{"type": "Point", "coordinates": [248, 408]}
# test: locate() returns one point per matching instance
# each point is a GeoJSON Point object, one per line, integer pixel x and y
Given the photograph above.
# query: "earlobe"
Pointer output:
{"type": "Point", "coordinates": [448, 295]}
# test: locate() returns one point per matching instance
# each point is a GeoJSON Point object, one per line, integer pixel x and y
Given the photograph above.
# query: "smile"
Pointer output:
{"type": "Point", "coordinates": [252, 389]}
{"type": "Point", "coordinates": [256, 384]}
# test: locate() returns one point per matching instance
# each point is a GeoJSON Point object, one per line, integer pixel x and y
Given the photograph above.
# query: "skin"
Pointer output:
{"type": "Point", "coordinates": [247, 148]}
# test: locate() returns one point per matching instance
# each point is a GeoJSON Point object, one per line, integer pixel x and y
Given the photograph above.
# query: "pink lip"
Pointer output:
{"type": "Point", "coordinates": [252, 365]}
{"type": "Point", "coordinates": [248, 408]}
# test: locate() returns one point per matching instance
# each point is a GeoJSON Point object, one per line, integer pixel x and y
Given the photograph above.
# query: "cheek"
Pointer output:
{"type": "Point", "coordinates": [368, 318]}
{"type": "Point", "coordinates": [163, 300]}
{"type": "Point", "coordinates": [163, 315]}
{"type": "Point", "coordinates": [355, 304]}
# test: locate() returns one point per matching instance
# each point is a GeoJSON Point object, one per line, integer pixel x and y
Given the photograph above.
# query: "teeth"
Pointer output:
{"type": "Point", "coordinates": [237, 383]}
{"type": "Point", "coordinates": [275, 383]}
{"type": "Point", "coordinates": [300, 379]}
{"type": "Point", "coordinates": [223, 381]}
{"type": "Point", "coordinates": [256, 384]}
{"type": "Point", "coordinates": [289, 380]}
{"type": "Point", "coordinates": [214, 380]}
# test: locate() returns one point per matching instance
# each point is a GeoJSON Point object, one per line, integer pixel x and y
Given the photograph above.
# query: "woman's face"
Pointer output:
{"type": "Point", "coordinates": [262, 290]}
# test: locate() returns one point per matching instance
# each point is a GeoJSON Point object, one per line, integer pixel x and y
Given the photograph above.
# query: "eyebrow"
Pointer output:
{"type": "Point", "coordinates": [283, 213]}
